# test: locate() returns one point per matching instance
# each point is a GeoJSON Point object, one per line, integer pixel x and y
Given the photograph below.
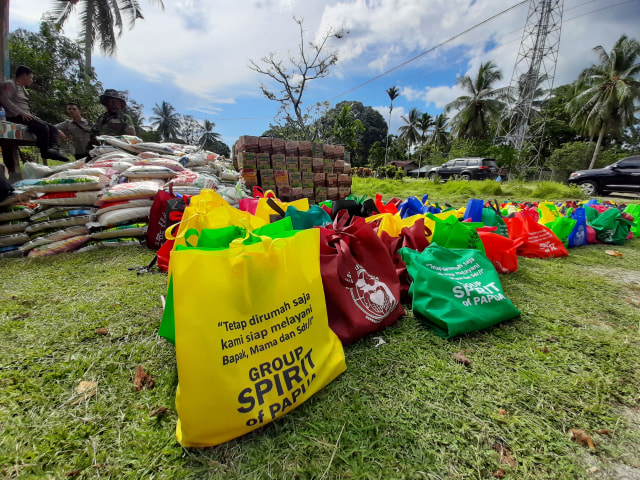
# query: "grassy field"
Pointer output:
{"type": "Point", "coordinates": [403, 409]}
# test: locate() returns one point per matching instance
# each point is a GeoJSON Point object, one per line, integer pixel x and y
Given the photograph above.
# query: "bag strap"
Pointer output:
{"type": "Point", "coordinates": [274, 206]}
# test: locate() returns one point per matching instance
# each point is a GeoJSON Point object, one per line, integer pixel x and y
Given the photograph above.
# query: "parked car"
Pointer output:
{"type": "Point", "coordinates": [472, 168]}
{"type": "Point", "coordinates": [622, 176]}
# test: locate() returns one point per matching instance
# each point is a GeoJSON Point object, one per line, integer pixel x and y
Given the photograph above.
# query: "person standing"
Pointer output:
{"type": "Point", "coordinates": [114, 121]}
{"type": "Point", "coordinates": [15, 100]}
{"type": "Point", "coordinates": [78, 128]}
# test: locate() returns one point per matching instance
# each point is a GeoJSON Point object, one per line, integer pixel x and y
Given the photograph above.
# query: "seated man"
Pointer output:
{"type": "Point", "coordinates": [114, 121]}
{"type": "Point", "coordinates": [78, 128]}
{"type": "Point", "coordinates": [15, 100]}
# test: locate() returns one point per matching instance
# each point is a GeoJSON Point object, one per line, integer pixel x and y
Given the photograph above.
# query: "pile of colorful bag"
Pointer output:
{"type": "Point", "coordinates": [260, 298]}
{"type": "Point", "coordinates": [106, 201]}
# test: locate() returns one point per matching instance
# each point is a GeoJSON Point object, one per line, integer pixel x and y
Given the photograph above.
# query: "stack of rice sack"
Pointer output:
{"type": "Point", "coordinates": [14, 219]}
{"type": "Point", "coordinates": [294, 169]}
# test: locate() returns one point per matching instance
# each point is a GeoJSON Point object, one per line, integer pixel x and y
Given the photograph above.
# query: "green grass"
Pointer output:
{"type": "Point", "coordinates": [404, 409]}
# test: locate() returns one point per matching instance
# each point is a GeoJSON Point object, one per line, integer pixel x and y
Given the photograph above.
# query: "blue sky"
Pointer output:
{"type": "Point", "coordinates": [195, 53]}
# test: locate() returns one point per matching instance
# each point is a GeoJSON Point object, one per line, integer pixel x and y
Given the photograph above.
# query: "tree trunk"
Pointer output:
{"type": "Point", "coordinates": [88, 43]}
{"type": "Point", "coordinates": [386, 148]}
{"type": "Point", "coordinates": [598, 144]}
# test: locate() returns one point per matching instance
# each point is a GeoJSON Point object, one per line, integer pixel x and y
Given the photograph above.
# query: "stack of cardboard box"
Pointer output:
{"type": "Point", "coordinates": [294, 169]}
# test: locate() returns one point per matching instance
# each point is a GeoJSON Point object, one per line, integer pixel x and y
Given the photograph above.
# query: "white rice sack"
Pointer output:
{"type": "Point", "coordinates": [194, 159]}
{"type": "Point", "coordinates": [14, 212]}
{"type": "Point", "coordinates": [32, 170]}
{"type": "Point", "coordinates": [147, 155]}
{"type": "Point", "coordinates": [154, 147]}
{"type": "Point", "coordinates": [100, 150]}
{"type": "Point", "coordinates": [45, 212]}
{"type": "Point", "coordinates": [116, 165]}
{"type": "Point", "coordinates": [122, 231]}
{"type": "Point", "coordinates": [84, 171]}
{"type": "Point", "coordinates": [129, 191]}
{"type": "Point", "coordinates": [10, 252]}
{"type": "Point", "coordinates": [13, 239]}
{"type": "Point", "coordinates": [183, 190]}
{"type": "Point", "coordinates": [14, 226]}
{"type": "Point", "coordinates": [149, 171]}
{"type": "Point", "coordinates": [161, 162]}
{"type": "Point", "coordinates": [123, 215]}
{"type": "Point", "coordinates": [117, 142]}
{"type": "Point", "coordinates": [70, 198]}
{"type": "Point", "coordinates": [18, 196]}
{"type": "Point", "coordinates": [118, 156]}
{"type": "Point", "coordinates": [110, 206]}
{"type": "Point", "coordinates": [66, 245]}
{"type": "Point", "coordinates": [54, 237]}
{"type": "Point", "coordinates": [76, 183]}
{"type": "Point", "coordinates": [59, 223]}
{"type": "Point", "coordinates": [193, 179]}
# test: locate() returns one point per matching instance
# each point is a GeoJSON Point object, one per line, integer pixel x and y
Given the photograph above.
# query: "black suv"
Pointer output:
{"type": "Point", "coordinates": [472, 168]}
{"type": "Point", "coordinates": [622, 176]}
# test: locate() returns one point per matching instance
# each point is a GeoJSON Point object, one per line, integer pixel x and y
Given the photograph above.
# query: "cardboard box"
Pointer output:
{"type": "Point", "coordinates": [292, 164]}
{"type": "Point", "coordinates": [308, 193]}
{"type": "Point", "coordinates": [305, 164]}
{"type": "Point", "coordinates": [263, 160]}
{"type": "Point", "coordinates": [296, 193]}
{"type": "Point", "coordinates": [347, 168]}
{"type": "Point", "coordinates": [265, 144]}
{"type": "Point", "coordinates": [338, 166]}
{"type": "Point", "coordinates": [277, 145]}
{"type": "Point", "coordinates": [291, 148]}
{"type": "Point", "coordinates": [344, 180]}
{"type": "Point", "coordinates": [307, 179]}
{"type": "Point", "coordinates": [281, 177]}
{"type": "Point", "coordinates": [332, 193]}
{"type": "Point", "coordinates": [332, 179]}
{"type": "Point", "coordinates": [250, 176]}
{"type": "Point", "coordinates": [268, 185]}
{"type": "Point", "coordinates": [295, 179]}
{"type": "Point", "coordinates": [319, 180]}
{"type": "Point", "coordinates": [338, 152]}
{"type": "Point", "coordinates": [247, 143]}
{"type": "Point", "coordinates": [304, 149]}
{"type": "Point", "coordinates": [278, 162]}
{"type": "Point", "coordinates": [247, 160]}
{"type": "Point", "coordinates": [343, 192]}
{"type": "Point", "coordinates": [347, 156]}
{"type": "Point", "coordinates": [266, 176]}
{"type": "Point", "coordinates": [317, 165]}
{"type": "Point", "coordinates": [320, 194]}
{"type": "Point", "coordinates": [284, 193]}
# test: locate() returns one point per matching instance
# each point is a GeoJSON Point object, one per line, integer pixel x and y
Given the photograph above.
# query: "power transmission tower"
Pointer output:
{"type": "Point", "coordinates": [532, 81]}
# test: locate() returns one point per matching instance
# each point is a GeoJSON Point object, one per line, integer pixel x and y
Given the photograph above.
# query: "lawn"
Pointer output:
{"type": "Point", "coordinates": [405, 408]}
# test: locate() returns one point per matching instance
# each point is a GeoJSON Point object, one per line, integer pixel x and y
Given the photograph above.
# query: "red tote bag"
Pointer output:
{"type": "Point", "coordinates": [538, 241]}
{"type": "Point", "coordinates": [501, 251]}
{"type": "Point", "coordinates": [361, 286]}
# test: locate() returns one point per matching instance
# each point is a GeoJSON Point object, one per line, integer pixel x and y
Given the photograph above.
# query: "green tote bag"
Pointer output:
{"type": "Point", "coordinates": [456, 291]}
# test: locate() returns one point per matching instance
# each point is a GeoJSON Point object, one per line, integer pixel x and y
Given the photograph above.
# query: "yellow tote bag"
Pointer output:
{"type": "Point", "coordinates": [252, 336]}
{"type": "Point", "coordinates": [268, 214]}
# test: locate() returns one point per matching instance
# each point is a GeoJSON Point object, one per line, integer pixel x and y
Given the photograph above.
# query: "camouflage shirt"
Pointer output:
{"type": "Point", "coordinates": [113, 124]}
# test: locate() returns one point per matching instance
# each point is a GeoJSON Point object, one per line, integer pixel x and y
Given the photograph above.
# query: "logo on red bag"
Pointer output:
{"type": "Point", "coordinates": [371, 296]}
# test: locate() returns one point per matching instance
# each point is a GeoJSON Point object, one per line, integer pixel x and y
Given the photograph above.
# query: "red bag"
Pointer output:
{"type": "Point", "coordinates": [361, 286]}
{"type": "Point", "coordinates": [414, 237]}
{"type": "Point", "coordinates": [390, 207]}
{"type": "Point", "coordinates": [502, 251]}
{"type": "Point", "coordinates": [166, 210]}
{"type": "Point", "coordinates": [250, 204]}
{"type": "Point", "coordinates": [538, 241]}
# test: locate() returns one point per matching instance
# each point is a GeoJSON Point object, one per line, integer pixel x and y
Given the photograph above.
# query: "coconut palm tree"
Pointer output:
{"type": "Point", "coordinates": [609, 92]}
{"type": "Point", "coordinates": [409, 132]}
{"type": "Point", "coordinates": [207, 140]}
{"type": "Point", "coordinates": [424, 123]}
{"type": "Point", "coordinates": [483, 104]}
{"type": "Point", "coordinates": [439, 135]}
{"type": "Point", "coordinates": [99, 20]}
{"type": "Point", "coordinates": [393, 93]}
{"type": "Point", "coordinates": [166, 120]}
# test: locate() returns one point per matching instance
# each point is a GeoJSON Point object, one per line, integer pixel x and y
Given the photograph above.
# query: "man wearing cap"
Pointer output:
{"type": "Point", "coordinates": [114, 121]}
{"type": "Point", "coordinates": [15, 100]}
{"type": "Point", "coordinates": [78, 128]}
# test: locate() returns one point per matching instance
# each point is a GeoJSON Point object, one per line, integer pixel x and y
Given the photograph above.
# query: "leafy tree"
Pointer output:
{"type": "Point", "coordinates": [313, 62]}
{"type": "Point", "coordinates": [219, 147]}
{"type": "Point", "coordinates": [439, 133]}
{"type": "Point", "coordinates": [608, 92]}
{"type": "Point", "coordinates": [482, 105]}
{"type": "Point", "coordinates": [166, 120]}
{"type": "Point", "coordinates": [393, 93]}
{"type": "Point", "coordinates": [209, 137]}
{"type": "Point", "coordinates": [346, 128]}
{"type": "Point", "coordinates": [376, 155]}
{"type": "Point", "coordinates": [57, 63]}
{"type": "Point", "coordinates": [574, 156]}
{"type": "Point", "coordinates": [410, 131]}
{"type": "Point", "coordinates": [190, 130]}
{"type": "Point", "coordinates": [425, 122]}
{"type": "Point", "coordinates": [99, 20]}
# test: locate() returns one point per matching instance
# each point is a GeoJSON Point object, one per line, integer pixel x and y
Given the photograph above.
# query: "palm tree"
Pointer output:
{"type": "Point", "coordinates": [483, 104]}
{"type": "Point", "coordinates": [209, 137]}
{"type": "Point", "coordinates": [409, 131]}
{"type": "Point", "coordinates": [99, 20]}
{"type": "Point", "coordinates": [439, 134]}
{"type": "Point", "coordinates": [609, 92]}
{"type": "Point", "coordinates": [166, 121]}
{"type": "Point", "coordinates": [393, 93]}
{"type": "Point", "coordinates": [424, 124]}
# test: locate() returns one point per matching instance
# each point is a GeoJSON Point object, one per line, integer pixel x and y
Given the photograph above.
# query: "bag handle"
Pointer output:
{"type": "Point", "coordinates": [274, 206]}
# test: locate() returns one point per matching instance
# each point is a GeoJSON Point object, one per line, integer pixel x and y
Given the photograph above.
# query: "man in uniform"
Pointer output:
{"type": "Point", "coordinates": [78, 128]}
{"type": "Point", "coordinates": [15, 100]}
{"type": "Point", "coordinates": [114, 121]}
